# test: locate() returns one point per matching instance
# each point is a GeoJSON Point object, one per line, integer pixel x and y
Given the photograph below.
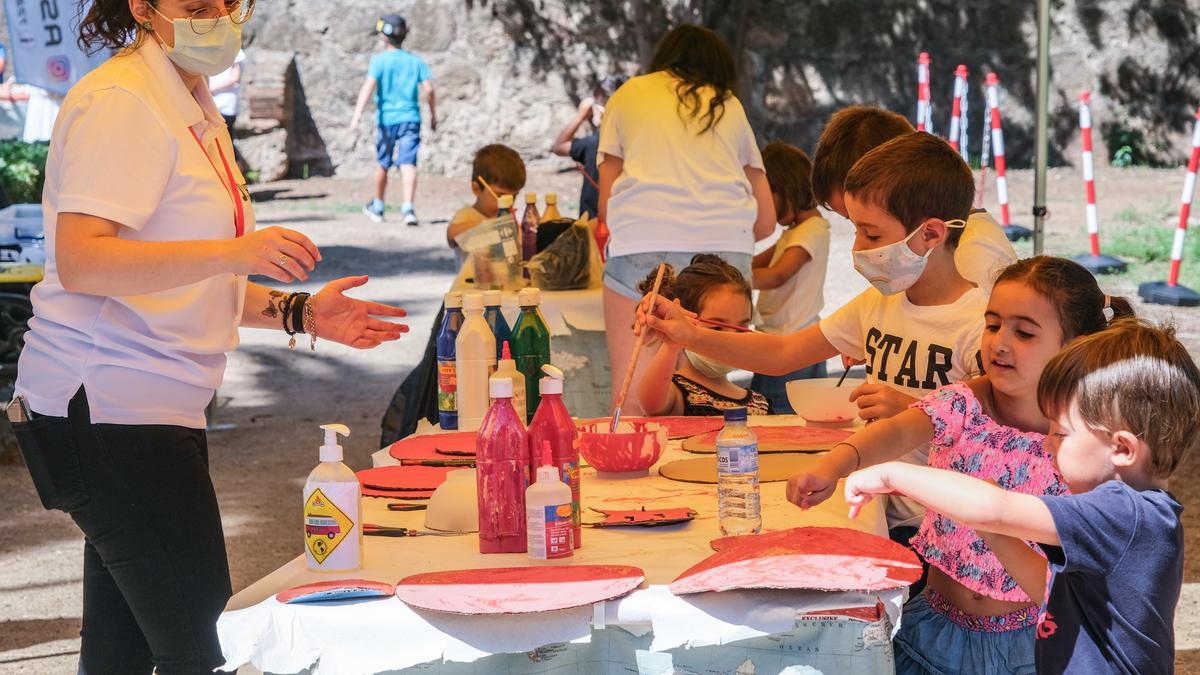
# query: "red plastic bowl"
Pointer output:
{"type": "Point", "coordinates": [636, 446]}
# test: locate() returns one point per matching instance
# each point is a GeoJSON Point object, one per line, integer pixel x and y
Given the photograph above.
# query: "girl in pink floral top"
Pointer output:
{"type": "Point", "coordinates": [975, 615]}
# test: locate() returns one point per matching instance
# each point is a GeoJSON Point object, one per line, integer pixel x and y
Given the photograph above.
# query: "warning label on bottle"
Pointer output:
{"type": "Point", "coordinates": [447, 386]}
{"type": "Point", "coordinates": [325, 526]}
{"type": "Point", "coordinates": [550, 531]}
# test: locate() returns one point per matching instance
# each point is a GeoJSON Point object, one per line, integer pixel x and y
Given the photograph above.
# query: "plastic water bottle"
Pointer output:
{"type": "Point", "coordinates": [737, 476]}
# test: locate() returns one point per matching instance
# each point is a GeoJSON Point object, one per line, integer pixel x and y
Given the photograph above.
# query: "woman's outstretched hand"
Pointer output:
{"type": "Point", "coordinates": [353, 322]}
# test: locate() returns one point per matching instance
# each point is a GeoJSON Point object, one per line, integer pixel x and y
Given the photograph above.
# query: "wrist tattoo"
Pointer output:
{"type": "Point", "coordinates": [274, 306]}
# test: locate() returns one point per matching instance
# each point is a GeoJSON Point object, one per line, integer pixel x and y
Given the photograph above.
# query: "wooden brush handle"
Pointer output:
{"type": "Point", "coordinates": [637, 346]}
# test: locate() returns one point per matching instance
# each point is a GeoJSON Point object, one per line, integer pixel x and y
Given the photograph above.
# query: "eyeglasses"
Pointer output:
{"type": "Point", "coordinates": [204, 20]}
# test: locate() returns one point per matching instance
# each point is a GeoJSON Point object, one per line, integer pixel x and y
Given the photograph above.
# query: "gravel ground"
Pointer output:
{"type": "Point", "coordinates": [273, 399]}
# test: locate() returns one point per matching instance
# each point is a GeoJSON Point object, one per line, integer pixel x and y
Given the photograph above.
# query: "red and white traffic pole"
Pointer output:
{"type": "Point", "coordinates": [924, 113]}
{"type": "Point", "coordinates": [1171, 293]}
{"type": "Point", "coordinates": [1014, 232]}
{"type": "Point", "coordinates": [956, 110]}
{"type": "Point", "coordinates": [1095, 263]}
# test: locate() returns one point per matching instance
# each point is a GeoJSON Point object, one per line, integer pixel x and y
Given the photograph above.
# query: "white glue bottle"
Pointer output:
{"type": "Point", "coordinates": [549, 515]}
{"type": "Point", "coordinates": [507, 370]}
{"type": "Point", "coordinates": [475, 360]}
{"type": "Point", "coordinates": [332, 510]}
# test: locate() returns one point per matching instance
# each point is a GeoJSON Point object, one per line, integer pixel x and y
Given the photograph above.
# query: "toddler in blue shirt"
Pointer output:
{"type": "Point", "coordinates": [1123, 404]}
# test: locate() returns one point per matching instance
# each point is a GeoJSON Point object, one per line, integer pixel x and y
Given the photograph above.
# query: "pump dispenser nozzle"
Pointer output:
{"type": "Point", "coordinates": [331, 451]}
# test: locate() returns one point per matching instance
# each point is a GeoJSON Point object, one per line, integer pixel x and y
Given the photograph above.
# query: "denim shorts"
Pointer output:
{"type": "Point", "coordinates": [933, 642]}
{"type": "Point", "coordinates": [774, 387]}
{"type": "Point", "coordinates": [397, 144]}
{"type": "Point", "coordinates": [622, 274]}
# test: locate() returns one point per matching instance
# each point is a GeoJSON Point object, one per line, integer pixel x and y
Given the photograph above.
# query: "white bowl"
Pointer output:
{"type": "Point", "coordinates": [821, 400]}
{"type": "Point", "coordinates": [454, 506]}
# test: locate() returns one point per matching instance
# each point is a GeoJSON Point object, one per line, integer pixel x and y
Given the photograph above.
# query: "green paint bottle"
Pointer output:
{"type": "Point", "coordinates": [530, 346]}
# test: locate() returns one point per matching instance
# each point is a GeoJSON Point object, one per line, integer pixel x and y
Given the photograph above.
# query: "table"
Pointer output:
{"type": "Point", "coordinates": [648, 631]}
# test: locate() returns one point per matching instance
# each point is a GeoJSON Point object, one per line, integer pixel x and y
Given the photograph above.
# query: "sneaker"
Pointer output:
{"type": "Point", "coordinates": [374, 210]}
{"type": "Point", "coordinates": [410, 219]}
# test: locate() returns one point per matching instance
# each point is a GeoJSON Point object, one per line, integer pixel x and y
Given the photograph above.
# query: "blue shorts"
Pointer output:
{"type": "Point", "coordinates": [622, 274]}
{"type": "Point", "coordinates": [397, 144]}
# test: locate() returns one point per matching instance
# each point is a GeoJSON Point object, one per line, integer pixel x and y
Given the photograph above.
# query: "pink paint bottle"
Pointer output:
{"type": "Point", "coordinates": [502, 473]}
{"type": "Point", "coordinates": [553, 424]}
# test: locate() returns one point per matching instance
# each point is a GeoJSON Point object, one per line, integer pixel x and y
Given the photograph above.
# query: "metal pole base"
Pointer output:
{"type": "Point", "coordinates": [1101, 264]}
{"type": "Point", "coordinates": [1160, 293]}
{"type": "Point", "coordinates": [1017, 232]}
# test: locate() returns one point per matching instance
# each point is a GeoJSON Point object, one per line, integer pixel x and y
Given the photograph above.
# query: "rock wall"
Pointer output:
{"type": "Point", "coordinates": [512, 70]}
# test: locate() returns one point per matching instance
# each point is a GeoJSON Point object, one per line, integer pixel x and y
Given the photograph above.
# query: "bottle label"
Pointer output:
{"type": "Point", "coordinates": [570, 477]}
{"type": "Point", "coordinates": [326, 527]}
{"type": "Point", "coordinates": [550, 531]}
{"type": "Point", "coordinates": [737, 459]}
{"type": "Point", "coordinates": [447, 386]}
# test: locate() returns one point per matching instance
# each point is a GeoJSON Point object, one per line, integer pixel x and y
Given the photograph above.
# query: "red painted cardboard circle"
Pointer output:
{"type": "Point", "coordinates": [518, 590]}
{"type": "Point", "coordinates": [435, 446]}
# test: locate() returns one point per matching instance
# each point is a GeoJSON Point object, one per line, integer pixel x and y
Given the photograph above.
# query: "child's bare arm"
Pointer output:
{"type": "Point", "coordinates": [968, 500]}
{"type": "Point", "coordinates": [763, 259]}
{"type": "Point", "coordinates": [765, 223]}
{"type": "Point", "coordinates": [458, 227]}
{"type": "Point", "coordinates": [364, 95]}
{"type": "Point", "coordinates": [756, 352]}
{"type": "Point", "coordinates": [880, 442]}
{"type": "Point", "coordinates": [1024, 565]}
{"type": "Point", "coordinates": [655, 392]}
{"type": "Point", "coordinates": [774, 276]}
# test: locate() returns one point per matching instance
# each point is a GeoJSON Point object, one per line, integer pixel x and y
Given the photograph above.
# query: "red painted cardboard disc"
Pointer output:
{"type": "Point", "coordinates": [338, 589]}
{"type": "Point", "coordinates": [407, 495]}
{"type": "Point", "coordinates": [677, 426]}
{"type": "Point", "coordinates": [404, 478]}
{"type": "Point", "coordinates": [432, 446]}
{"type": "Point", "coordinates": [518, 590]}
{"type": "Point", "coordinates": [819, 558]}
{"type": "Point", "coordinates": [777, 439]}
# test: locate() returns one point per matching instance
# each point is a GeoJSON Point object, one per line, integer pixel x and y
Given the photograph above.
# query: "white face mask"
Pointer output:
{"type": "Point", "coordinates": [894, 268]}
{"type": "Point", "coordinates": [708, 367]}
{"type": "Point", "coordinates": [210, 54]}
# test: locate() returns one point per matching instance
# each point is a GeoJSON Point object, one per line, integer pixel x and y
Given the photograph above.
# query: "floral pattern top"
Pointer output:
{"type": "Point", "coordinates": [966, 440]}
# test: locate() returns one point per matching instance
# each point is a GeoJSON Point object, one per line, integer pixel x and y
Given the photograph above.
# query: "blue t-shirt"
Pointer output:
{"type": "Point", "coordinates": [1114, 582]}
{"type": "Point", "coordinates": [398, 75]}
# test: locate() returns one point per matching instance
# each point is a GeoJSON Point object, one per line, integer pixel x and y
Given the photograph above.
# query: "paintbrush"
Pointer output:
{"type": "Point", "coordinates": [637, 349]}
{"type": "Point", "coordinates": [588, 176]}
{"type": "Point", "coordinates": [438, 462]}
{"type": "Point", "coordinates": [722, 324]}
{"type": "Point", "coordinates": [843, 378]}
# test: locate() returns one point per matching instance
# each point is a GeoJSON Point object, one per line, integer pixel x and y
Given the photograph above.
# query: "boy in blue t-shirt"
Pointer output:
{"type": "Point", "coordinates": [1122, 405]}
{"type": "Point", "coordinates": [396, 77]}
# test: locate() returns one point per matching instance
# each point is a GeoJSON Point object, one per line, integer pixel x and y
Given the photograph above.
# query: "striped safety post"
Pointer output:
{"type": "Point", "coordinates": [1013, 232]}
{"type": "Point", "coordinates": [924, 108]}
{"type": "Point", "coordinates": [958, 115]}
{"type": "Point", "coordinates": [1171, 293]}
{"type": "Point", "coordinates": [1095, 263]}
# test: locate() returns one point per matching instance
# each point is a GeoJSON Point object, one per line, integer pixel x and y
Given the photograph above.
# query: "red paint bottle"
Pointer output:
{"type": "Point", "coordinates": [502, 473]}
{"type": "Point", "coordinates": [553, 424]}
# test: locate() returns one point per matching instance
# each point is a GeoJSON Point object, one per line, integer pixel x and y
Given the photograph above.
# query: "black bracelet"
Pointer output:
{"type": "Point", "coordinates": [297, 313]}
{"type": "Point", "coordinates": [285, 310]}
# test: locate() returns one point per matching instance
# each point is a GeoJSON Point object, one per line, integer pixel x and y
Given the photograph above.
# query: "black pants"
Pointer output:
{"type": "Point", "coordinates": [155, 575]}
{"type": "Point", "coordinates": [901, 535]}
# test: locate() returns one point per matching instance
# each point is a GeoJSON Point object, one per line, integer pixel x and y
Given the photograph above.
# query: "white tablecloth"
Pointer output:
{"type": "Point", "coordinates": [379, 635]}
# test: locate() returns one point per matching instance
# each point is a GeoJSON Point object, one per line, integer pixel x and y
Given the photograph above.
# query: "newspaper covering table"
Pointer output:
{"type": "Point", "coordinates": [648, 631]}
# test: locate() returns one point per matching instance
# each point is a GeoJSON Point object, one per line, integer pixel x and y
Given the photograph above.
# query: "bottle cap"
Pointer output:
{"type": "Point", "coordinates": [500, 387]}
{"type": "Point", "coordinates": [491, 298]}
{"type": "Point", "coordinates": [530, 197]}
{"type": "Point", "coordinates": [552, 383]}
{"type": "Point", "coordinates": [529, 297]}
{"type": "Point", "coordinates": [551, 197]}
{"type": "Point", "coordinates": [505, 202]}
{"type": "Point", "coordinates": [735, 415]}
{"type": "Point", "coordinates": [473, 302]}
{"type": "Point", "coordinates": [453, 299]}
{"type": "Point", "coordinates": [547, 471]}
{"type": "Point", "coordinates": [331, 451]}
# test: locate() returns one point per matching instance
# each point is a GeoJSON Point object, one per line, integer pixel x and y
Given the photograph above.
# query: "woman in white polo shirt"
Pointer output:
{"type": "Point", "coordinates": [680, 174]}
{"type": "Point", "coordinates": [150, 238]}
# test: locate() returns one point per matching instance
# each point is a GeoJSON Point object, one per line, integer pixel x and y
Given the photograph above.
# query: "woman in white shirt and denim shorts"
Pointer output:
{"type": "Point", "coordinates": [680, 174]}
{"type": "Point", "coordinates": [150, 238]}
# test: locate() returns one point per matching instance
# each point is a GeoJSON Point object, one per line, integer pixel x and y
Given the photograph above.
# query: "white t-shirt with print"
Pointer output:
{"type": "Point", "coordinates": [913, 349]}
{"type": "Point", "coordinates": [983, 251]}
{"type": "Point", "coordinates": [123, 150]}
{"type": "Point", "coordinates": [797, 302]}
{"type": "Point", "coordinates": [681, 190]}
